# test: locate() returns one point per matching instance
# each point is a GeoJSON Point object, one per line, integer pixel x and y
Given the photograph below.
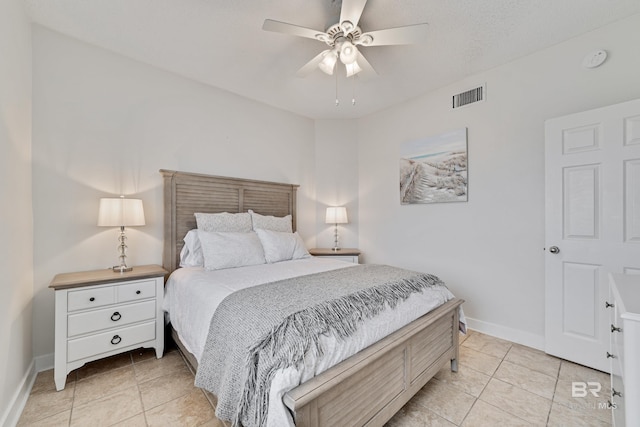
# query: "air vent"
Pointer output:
{"type": "Point", "coordinates": [469, 97]}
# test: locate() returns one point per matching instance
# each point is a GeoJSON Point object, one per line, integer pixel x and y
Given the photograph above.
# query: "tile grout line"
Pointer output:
{"type": "Point", "coordinates": [553, 398]}
{"type": "Point", "coordinates": [144, 411]}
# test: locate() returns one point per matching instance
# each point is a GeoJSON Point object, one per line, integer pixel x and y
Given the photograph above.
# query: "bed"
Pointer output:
{"type": "Point", "coordinates": [367, 388]}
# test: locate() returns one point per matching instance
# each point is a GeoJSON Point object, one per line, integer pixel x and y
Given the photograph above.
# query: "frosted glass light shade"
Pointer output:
{"type": "Point", "coordinates": [328, 62]}
{"type": "Point", "coordinates": [118, 212]}
{"type": "Point", "coordinates": [353, 68]}
{"type": "Point", "coordinates": [348, 52]}
{"type": "Point", "coordinates": [336, 215]}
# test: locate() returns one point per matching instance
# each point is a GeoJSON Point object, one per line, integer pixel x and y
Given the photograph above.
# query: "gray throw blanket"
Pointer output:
{"type": "Point", "coordinates": [256, 331]}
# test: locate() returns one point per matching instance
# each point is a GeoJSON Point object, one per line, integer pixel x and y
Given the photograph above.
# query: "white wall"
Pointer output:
{"type": "Point", "coordinates": [16, 226]}
{"type": "Point", "coordinates": [105, 125]}
{"type": "Point", "coordinates": [336, 158]}
{"type": "Point", "coordinates": [489, 249]}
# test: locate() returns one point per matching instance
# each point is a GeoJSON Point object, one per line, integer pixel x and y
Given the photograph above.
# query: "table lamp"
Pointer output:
{"type": "Point", "coordinates": [121, 212]}
{"type": "Point", "coordinates": [336, 215]}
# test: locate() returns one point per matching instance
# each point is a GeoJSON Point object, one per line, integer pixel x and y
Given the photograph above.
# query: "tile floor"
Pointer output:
{"type": "Point", "coordinates": [498, 383]}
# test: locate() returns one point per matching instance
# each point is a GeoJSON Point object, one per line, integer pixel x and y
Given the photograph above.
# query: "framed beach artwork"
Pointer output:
{"type": "Point", "coordinates": [434, 169]}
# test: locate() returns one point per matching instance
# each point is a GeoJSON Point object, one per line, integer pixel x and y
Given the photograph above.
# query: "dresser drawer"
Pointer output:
{"type": "Point", "coordinates": [115, 316]}
{"type": "Point", "coordinates": [101, 343]}
{"type": "Point", "coordinates": [89, 298]}
{"type": "Point", "coordinates": [617, 400]}
{"type": "Point", "coordinates": [136, 291]}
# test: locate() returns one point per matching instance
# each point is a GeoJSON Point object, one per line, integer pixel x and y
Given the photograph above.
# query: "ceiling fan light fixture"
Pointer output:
{"type": "Point", "coordinates": [347, 27]}
{"type": "Point", "coordinates": [365, 40]}
{"type": "Point", "coordinates": [348, 52]}
{"type": "Point", "coordinates": [353, 68]}
{"type": "Point", "coordinates": [328, 62]}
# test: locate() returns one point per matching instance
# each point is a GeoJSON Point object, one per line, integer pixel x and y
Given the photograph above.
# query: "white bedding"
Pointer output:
{"type": "Point", "coordinates": [192, 295]}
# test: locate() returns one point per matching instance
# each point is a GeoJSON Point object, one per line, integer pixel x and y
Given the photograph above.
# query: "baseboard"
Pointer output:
{"type": "Point", "coordinates": [505, 333]}
{"type": "Point", "coordinates": [12, 414]}
{"type": "Point", "coordinates": [44, 363]}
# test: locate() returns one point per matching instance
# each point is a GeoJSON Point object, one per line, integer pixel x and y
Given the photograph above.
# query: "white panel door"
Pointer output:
{"type": "Point", "coordinates": [592, 209]}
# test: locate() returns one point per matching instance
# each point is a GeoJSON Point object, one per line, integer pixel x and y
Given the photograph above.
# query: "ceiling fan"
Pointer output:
{"type": "Point", "coordinates": [344, 38]}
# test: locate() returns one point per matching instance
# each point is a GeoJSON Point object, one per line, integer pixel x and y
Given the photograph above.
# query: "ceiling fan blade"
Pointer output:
{"type": "Point", "coordinates": [367, 69]}
{"type": "Point", "coordinates": [351, 12]}
{"type": "Point", "coordinates": [294, 30]}
{"type": "Point", "coordinates": [312, 65]}
{"type": "Point", "coordinates": [409, 34]}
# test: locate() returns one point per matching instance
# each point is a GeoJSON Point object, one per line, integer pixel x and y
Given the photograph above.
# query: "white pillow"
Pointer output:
{"type": "Point", "coordinates": [230, 249]}
{"type": "Point", "coordinates": [273, 223]}
{"type": "Point", "coordinates": [279, 246]}
{"type": "Point", "coordinates": [191, 253]}
{"type": "Point", "coordinates": [239, 222]}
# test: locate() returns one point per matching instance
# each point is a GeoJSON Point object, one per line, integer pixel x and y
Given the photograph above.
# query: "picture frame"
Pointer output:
{"type": "Point", "coordinates": [434, 169]}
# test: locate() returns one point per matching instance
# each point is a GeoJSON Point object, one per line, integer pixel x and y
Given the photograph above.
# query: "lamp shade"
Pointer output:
{"type": "Point", "coordinates": [353, 68]}
{"type": "Point", "coordinates": [336, 215]}
{"type": "Point", "coordinates": [118, 212]}
{"type": "Point", "coordinates": [328, 62]}
{"type": "Point", "coordinates": [348, 52]}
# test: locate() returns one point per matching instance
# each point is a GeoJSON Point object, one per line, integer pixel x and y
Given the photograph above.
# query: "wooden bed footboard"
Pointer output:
{"type": "Point", "coordinates": [368, 388]}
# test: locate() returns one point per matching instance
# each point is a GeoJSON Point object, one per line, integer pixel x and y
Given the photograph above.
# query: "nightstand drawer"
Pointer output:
{"type": "Point", "coordinates": [117, 316]}
{"type": "Point", "coordinates": [136, 291]}
{"type": "Point", "coordinates": [89, 298]}
{"type": "Point", "coordinates": [108, 341]}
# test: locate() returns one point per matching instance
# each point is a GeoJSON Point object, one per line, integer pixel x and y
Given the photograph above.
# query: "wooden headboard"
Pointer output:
{"type": "Point", "coordinates": [188, 193]}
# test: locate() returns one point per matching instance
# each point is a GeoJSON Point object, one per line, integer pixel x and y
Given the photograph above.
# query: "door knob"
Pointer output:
{"type": "Point", "coordinates": [554, 250]}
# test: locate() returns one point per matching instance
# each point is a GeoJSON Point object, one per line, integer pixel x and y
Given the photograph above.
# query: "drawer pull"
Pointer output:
{"type": "Point", "coordinates": [607, 304]}
{"type": "Point", "coordinates": [610, 356]}
{"type": "Point", "coordinates": [116, 339]}
{"type": "Point", "coordinates": [615, 329]}
{"type": "Point", "coordinates": [92, 299]}
{"type": "Point", "coordinates": [615, 393]}
{"type": "Point", "coordinates": [137, 292]}
{"type": "Point", "coordinates": [116, 316]}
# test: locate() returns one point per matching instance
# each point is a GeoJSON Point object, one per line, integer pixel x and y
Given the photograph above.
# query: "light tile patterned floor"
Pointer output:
{"type": "Point", "coordinates": [498, 383]}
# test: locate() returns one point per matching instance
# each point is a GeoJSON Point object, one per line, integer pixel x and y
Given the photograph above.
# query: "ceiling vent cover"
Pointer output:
{"type": "Point", "coordinates": [471, 96]}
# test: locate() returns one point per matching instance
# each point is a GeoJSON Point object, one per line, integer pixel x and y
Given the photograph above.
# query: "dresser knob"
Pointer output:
{"type": "Point", "coordinates": [116, 339]}
{"type": "Point", "coordinates": [610, 356]}
{"type": "Point", "coordinates": [615, 329]}
{"type": "Point", "coordinates": [607, 304]}
{"type": "Point", "coordinates": [116, 316]}
{"type": "Point", "coordinates": [137, 292]}
{"type": "Point", "coordinates": [92, 299]}
{"type": "Point", "coordinates": [615, 393]}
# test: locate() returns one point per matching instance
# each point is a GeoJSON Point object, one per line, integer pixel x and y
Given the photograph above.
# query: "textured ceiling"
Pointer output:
{"type": "Point", "coordinates": [221, 43]}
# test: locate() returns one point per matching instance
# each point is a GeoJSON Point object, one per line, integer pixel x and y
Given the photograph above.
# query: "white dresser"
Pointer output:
{"type": "Point", "coordinates": [101, 313]}
{"type": "Point", "coordinates": [624, 352]}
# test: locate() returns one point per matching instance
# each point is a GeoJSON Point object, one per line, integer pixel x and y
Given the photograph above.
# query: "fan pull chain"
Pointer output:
{"type": "Point", "coordinates": [353, 99]}
{"type": "Point", "coordinates": [336, 73]}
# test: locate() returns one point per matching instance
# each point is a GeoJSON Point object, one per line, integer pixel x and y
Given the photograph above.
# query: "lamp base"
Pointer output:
{"type": "Point", "coordinates": [336, 249]}
{"type": "Point", "coordinates": [121, 268]}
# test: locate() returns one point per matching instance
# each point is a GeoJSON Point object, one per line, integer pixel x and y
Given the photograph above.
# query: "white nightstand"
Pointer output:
{"type": "Point", "coordinates": [101, 313]}
{"type": "Point", "coordinates": [343, 254]}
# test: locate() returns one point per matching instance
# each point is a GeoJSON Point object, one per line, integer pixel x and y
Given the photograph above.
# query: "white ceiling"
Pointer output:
{"type": "Point", "coordinates": [221, 42]}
